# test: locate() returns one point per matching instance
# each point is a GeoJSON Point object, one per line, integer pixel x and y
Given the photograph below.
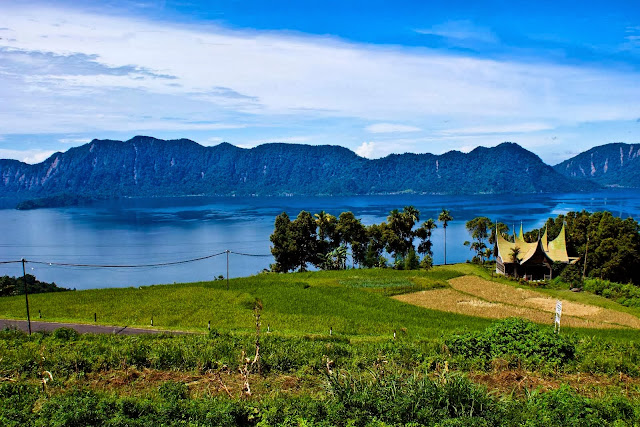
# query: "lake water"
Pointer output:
{"type": "Point", "coordinates": [165, 230]}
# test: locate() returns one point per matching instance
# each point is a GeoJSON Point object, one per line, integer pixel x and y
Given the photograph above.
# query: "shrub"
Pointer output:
{"type": "Point", "coordinates": [66, 334]}
{"type": "Point", "coordinates": [515, 339]}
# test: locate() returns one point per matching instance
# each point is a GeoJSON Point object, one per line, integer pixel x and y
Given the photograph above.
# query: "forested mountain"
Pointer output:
{"type": "Point", "coordinates": [616, 165]}
{"type": "Point", "coordinates": [145, 166]}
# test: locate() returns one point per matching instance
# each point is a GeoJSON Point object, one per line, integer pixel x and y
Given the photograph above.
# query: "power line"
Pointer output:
{"type": "Point", "coordinates": [253, 255]}
{"type": "Point", "coordinates": [161, 264]}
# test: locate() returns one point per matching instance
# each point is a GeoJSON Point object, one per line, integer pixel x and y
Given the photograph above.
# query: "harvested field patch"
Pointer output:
{"type": "Point", "coordinates": [474, 296]}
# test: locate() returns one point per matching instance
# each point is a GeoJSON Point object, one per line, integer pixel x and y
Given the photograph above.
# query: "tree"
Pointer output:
{"type": "Point", "coordinates": [424, 233]}
{"type": "Point", "coordinates": [480, 228]}
{"type": "Point", "coordinates": [515, 258]}
{"type": "Point", "coordinates": [303, 232]}
{"type": "Point", "coordinates": [399, 231]}
{"type": "Point", "coordinates": [350, 231]}
{"type": "Point", "coordinates": [336, 259]}
{"type": "Point", "coordinates": [283, 249]}
{"type": "Point", "coordinates": [328, 240]}
{"type": "Point", "coordinates": [375, 245]}
{"type": "Point", "coordinates": [411, 261]}
{"type": "Point", "coordinates": [444, 217]}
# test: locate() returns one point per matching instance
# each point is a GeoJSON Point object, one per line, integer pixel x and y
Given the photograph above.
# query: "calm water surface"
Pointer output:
{"type": "Point", "coordinates": [165, 230]}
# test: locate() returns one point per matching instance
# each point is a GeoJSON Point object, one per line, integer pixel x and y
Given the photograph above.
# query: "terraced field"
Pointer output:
{"type": "Point", "coordinates": [475, 296]}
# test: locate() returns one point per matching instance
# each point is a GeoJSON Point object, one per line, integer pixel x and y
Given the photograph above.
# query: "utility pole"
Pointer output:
{"type": "Point", "coordinates": [227, 251]}
{"type": "Point", "coordinates": [26, 294]}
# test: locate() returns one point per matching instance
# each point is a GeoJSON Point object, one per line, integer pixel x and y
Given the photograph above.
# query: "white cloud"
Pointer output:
{"type": "Point", "coordinates": [366, 149]}
{"type": "Point", "coordinates": [100, 73]}
{"type": "Point", "coordinates": [27, 156]}
{"type": "Point", "coordinates": [461, 30]}
{"type": "Point", "coordinates": [391, 128]}
{"type": "Point", "coordinates": [499, 129]}
{"type": "Point", "coordinates": [74, 140]}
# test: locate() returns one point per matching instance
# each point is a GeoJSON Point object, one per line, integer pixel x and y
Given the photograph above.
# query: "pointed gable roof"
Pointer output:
{"type": "Point", "coordinates": [555, 250]}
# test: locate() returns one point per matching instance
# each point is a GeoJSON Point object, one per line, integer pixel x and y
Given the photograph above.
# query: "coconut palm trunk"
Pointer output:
{"type": "Point", "coordinates": [444, 218]}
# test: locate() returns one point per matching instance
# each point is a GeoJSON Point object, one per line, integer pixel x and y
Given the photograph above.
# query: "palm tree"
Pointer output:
{"type": "Point", "coordinates": [515, 258]}
{"type": "Point", "coordinates": [444, 218]}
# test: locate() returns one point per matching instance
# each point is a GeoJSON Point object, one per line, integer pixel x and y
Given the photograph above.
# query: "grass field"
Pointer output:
{"type": "Point", "coordinates": [352, 302]}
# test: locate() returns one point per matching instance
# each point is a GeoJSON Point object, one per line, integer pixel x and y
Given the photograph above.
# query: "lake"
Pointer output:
{"type": "Point", "coordinates": [150, 231]}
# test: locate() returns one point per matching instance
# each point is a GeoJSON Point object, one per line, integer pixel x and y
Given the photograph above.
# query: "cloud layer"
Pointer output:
{"type": "Point", "coordinates": [67, 71]}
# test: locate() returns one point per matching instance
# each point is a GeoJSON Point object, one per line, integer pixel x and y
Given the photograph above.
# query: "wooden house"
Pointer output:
{"type": "Point", "coordinates": [532, 261]}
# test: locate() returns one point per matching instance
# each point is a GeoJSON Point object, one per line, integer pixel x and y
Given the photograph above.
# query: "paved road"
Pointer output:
{"type": "Point", "coordinates": [81, 328]}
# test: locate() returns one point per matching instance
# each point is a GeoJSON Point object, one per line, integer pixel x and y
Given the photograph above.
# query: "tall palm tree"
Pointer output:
{"type": "Point", "coordinates": [444, 218]}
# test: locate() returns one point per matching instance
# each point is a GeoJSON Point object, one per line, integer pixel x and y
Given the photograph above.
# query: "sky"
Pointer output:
{"type": "Point", "coordinates": [377, 77]}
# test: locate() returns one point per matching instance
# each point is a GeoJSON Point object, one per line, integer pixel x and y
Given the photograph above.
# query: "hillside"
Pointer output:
{"type": "Point", "coordinates": [616, 165]}
{"type": "Point", "coordinates": [147, 167]}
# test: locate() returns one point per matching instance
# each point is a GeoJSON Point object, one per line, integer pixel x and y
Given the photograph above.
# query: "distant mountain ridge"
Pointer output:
{"type": "Point", "coordinates": [147, 167]}
{"type": "Point", "coordinates": [614, 165]}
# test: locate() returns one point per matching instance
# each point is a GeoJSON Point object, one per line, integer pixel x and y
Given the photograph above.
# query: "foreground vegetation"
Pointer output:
{"type": "Point", "coordinates": [66, 379]}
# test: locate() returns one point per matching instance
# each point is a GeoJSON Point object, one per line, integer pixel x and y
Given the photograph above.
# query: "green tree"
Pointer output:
{"type": "Point", "coordinates": [515, 258]}
{"type": "Point", "coordinates": [283, 247]}
{"type": "Point", "coordinates": [327, 236]}
{"type": "Point", "coordinates": [399, 234]}
{"type": "Point", "coordinates": [411, 261]}
{"type": "Point", "coordinates": [303, 233]}
{"type": "Point", "coordinates": [480, 229]}
{"type": "Point", "coordinates": [375, 245]}
{"type": "Point", "coordinates": [424, 233]}
{"type": "Point", "coordinates": [351, 232]}
{"type": "Point", "coordinates": [445, 217]}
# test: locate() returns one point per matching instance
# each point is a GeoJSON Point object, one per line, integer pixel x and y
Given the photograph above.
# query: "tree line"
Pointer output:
{"type": "Point", "coordinates": [10, 286]}
{"type": "Point", "coordinates": [325, 241]}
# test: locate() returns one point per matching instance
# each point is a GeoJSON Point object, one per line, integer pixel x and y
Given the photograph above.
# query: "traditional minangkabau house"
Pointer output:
{"type": "Point", "coordinates": [533, 261]}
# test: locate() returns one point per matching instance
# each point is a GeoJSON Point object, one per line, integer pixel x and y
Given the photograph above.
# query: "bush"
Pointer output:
{"type": "Point", "coordinates": [173, 391]}
{"type": "Point", "coordinates": [627, 295]}
{"type": "Point", "coordinates": [514, 339]}
{"type": "Point", "coordinates": [66, 334]}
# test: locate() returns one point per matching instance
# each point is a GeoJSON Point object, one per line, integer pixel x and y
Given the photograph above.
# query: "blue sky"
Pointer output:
{"type": "Point", "coordinates": [376, 77]}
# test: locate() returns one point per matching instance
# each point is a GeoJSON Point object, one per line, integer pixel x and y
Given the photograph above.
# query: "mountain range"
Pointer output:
{"type": "Point", "coordinates": [149, 167]}
{"type": "Point", "coordinates": [611, 165]}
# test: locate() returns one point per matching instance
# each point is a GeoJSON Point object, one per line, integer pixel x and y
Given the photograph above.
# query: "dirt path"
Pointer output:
{"type": "Point", "coordinates": [474, 296]}
{"type": "Point", "coordinates": [81, 328]}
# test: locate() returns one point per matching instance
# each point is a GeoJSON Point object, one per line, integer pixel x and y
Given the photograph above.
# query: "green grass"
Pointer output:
{"type": "Point", "coordinates": [351, 302]}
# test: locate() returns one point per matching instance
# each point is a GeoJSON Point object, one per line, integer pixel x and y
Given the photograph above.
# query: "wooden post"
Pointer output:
{"type": "Point", "coordinates": [95, 317]}
{"type": "Point", "coordinates": [227, 251]}
{"type": "Point", "coordinates": [26, 293]}
{"type": "Point", "coordinates": [152, 320]}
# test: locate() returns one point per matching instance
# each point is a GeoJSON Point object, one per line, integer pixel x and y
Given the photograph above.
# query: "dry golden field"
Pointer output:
{"type": "Point", "coordinates": [475, 296]}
